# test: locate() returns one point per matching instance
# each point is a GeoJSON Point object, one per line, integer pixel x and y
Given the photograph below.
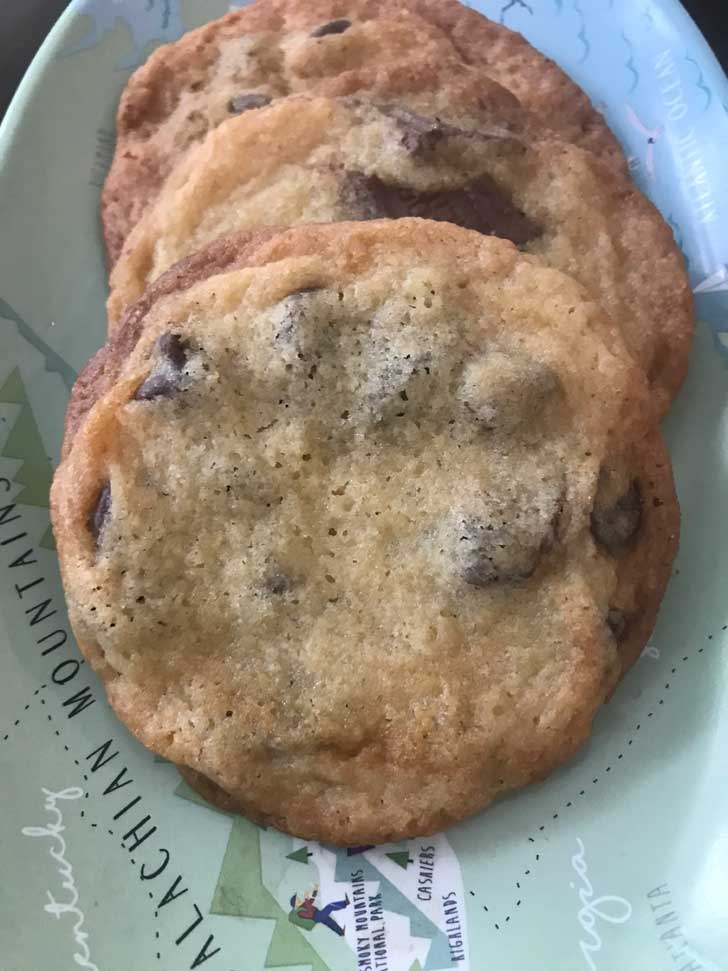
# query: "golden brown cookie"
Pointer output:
{"type": "Point", "coordinates": [273, 48]}
{"type": "Point", "coordinates": [310, 159]}
{"type": "Point", "coordinates": [358, 522]}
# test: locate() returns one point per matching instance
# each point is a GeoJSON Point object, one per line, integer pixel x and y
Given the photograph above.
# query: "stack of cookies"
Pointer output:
{"type": "Point", "coordinates": [364, 508]}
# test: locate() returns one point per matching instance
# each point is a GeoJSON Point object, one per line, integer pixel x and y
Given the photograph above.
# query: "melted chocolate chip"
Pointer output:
{"type": "Point", "coordinates": [480, 205]}
{"type": "Point", "coordinates": [615, 521]}
{"type": "Point", "coordinates": [246, 101]}
{"type": "Point", "coordinates": [158, 386]}
{"type": "Point", "coordinates": [277, 584]}
{"type": "Point", "coordinates": [165, 380]}
{"type": "Point", "coordinates": [419, 134]}
{"type": "Point", "coordinates": [497, 551]}
{"type": "Point", "coordinates": [332, 27]}
{"type": "Point", "coordinates": [617, 623]}
{"type": "Point", "coordinates": [100, 512]}
{"type": "Point", "coordinates": [174, 349]}
{"type": "Point", "coordinates": [487, 555]}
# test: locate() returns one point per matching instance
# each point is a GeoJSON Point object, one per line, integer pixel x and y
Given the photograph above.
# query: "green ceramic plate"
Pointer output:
{"type": "Point", "coordinates": [619, 861]}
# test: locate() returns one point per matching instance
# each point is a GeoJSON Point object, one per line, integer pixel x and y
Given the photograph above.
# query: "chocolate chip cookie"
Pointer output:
{"type": "Point", "coordinates": [310, 159]}
{"type": "Point", "coordinates": [362, 522]}
{"type": "Point", "coordinates": [273, 48]}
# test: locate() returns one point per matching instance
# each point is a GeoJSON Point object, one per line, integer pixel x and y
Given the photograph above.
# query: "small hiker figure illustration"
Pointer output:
{"type": "Point", "coordinates": [306, 914]}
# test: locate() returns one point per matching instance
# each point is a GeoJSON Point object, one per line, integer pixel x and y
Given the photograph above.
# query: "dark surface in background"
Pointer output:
{"type": "Point", "coordinates": [25, 23]}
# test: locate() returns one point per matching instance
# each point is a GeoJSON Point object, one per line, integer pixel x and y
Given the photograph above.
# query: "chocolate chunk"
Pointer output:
{"type": "Point", "coordinates": [495, 550]}
{"type": "Point", "coordinates": [419, 133]}
{"type": "Point", "coordinates": [278, 584]}
{"type": "Point", "coordinates": [617, 623]}
{"type": "Point", "coordinates": [244, 102]}
{"type": "Point", "coordinates": [332, 27]}
{"type": "Point", "coordinates": [487, 554]}
{"type": "Point", "coordinates": [165, 380]}
{"type": "Point", "coordinates": [174, 349]}
{"type": "Point", "coordinates": [161, 385]}
{"type": "Point", "coordinates": [480, 205]}
{"type": "Point", "coordinates": [616, 519]}
{"type": "Point", "coordinates": [100, 512]}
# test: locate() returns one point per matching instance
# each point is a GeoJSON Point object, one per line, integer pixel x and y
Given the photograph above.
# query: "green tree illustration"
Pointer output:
{"type": "Point", "coordinates": [240, 892]}
{"type": "Point", "coordinates": [54, 363]}
{"type": "Point", "coordinates": [25, 443]}
{"type": "Point", "coordinates": [401, 858]}
{"type": "Point", "coordinates": [300, 856]}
